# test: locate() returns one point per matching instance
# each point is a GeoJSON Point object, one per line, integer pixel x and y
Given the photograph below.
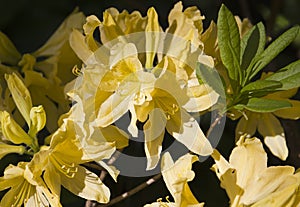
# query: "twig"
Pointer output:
{"type": "Point", "coordinates": [93, 165]}
{"type": "Point", "coordinates": [214, 124]}
{"type": "Point", "coordinates": [132, 191]}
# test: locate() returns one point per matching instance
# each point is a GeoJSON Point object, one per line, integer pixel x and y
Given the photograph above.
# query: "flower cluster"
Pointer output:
{"type": "Point", "coordinates": [163, 80]}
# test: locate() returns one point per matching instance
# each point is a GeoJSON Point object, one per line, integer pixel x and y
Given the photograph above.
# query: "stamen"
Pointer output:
{"type": "Point", "coordinates": [68, 169]}
{"type": "Point", "coordinates": [76, 71]}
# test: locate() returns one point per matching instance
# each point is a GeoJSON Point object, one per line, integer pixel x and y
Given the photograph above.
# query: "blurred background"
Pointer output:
{"type": "Point", "coordinates": [29, 23]}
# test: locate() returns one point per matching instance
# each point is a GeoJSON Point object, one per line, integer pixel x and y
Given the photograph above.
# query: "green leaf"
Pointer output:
{"type": "Point", "coordinates": [211, 77]}
{"type": "Point", "coordinates": [252, 45]}
{"type": "Point", "coordinates": [263, 105]}
{"type": "Point", "coordinates": [229, 43]}
{"type": "Point", "coordinates": [275, 48]}
{"type": "Point", "coordinates": [261, 85]}
{"type": "Point", "coordinates": [289, 76]}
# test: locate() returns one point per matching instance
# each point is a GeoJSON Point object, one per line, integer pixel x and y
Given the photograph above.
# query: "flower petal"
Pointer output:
{"type": "Point", "coordinates": [87, 185]}
{"type": "Point", "coordinates": [7, 149]}
{"type": "Point", "coordinates": [61, 35]}
{"type": "Point", "coordinates": [77, 42]}
{"type": "Point", "coordinates": [249, 159]}
{"type": "Point", "coordinates": [114, 107]}
{"type": "Point", "coordinates": [289, 113]}
{"type": "Point", "coordinates": [152, 37]}
{"type": "Point", "coordinates": [38, 120]}
{"type": "Point", "coordinates": [154, 130]}
{"type": "Point", "coordinates": [92, 22]}
{"type": "Point", "coordinates": [111, 134]}
{"type": "Point", "coordinates": [176, 175]}
{"type": "Point", "coordinates": [20, 95]}
{"type": "Point", "coordinates": [8, 52]}
{"type": "Point", "coordinates": [202, 97]}
{"type": "Point", "coordinates": [267, 182]}
{"type": "Point", "coordinates": [270, 128]}
{"type": "Point", "coordinates": [185, 129]}
{"type": "Point", "coordinates": [227, 175]}
{"type": "Point", "coordinates": [246, 126]}
{"type": "Point", "coordinates": [12, 131]}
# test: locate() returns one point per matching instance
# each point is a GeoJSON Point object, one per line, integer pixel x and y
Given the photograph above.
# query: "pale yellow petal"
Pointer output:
{"type": "Point", "coordinates": [152, 37]}
{"type": "Point", "coordinates": [38, 120]}
{"type": "Point", "coordinates": [185, 129]}
{"type": "Point", "coordinates": [286, 197]}
{"type": "Point", "coordinates": [79, 46]}
{"type": "Point", "coordinates": [154, 130]}
{"type": "Point", "coordinates": [114, 107]}
{"type": "Point", "coordinates": [87, 185]}
{"type": "Point", "coordinates": [187, 24]}
{"type": "Point", "coordinates": [92, 22]}
{"type": "Point", "coordinates": [272, 131]}
{"type": "Point", "coordinates": [266, 183]}
{"type": "Point", "coordinates": [20, 95]}
{"type": "Point", "coordinates": [112, 170]}
{"type": "Point", "coordinates": [112, 134]}
{"type": "Point", "coordinates": [202, 97]}
{"type": "Point", "coordinates": [109, 29]}
{"type": "Point", "coordinates": [227, 175]}
{"type": "Point", "coordinates": [176, 175]}
{"type": "Point", "coordinates": [249, 159]}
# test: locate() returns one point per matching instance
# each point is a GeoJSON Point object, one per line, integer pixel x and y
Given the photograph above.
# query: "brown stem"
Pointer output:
{"type": "Point", "coordinates": [214, 124]}
{"type": "Point", "coordinates": [132, 191]}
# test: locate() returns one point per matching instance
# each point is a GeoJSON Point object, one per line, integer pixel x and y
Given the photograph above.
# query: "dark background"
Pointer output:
{"type": "Point", "coordinates": [29, 23]}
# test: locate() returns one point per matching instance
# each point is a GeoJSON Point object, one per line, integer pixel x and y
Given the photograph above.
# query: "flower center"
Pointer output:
{"type": "Point", "coordinates": [68, 169]}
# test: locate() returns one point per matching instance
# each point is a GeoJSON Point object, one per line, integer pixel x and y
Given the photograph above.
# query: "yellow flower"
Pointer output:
{"type": "Point", "coordinates": [159, 78]}
{"type": "Point", "coordinates": [268, 125]}
{"type": "Point", "coordinates": [59, 164]}
{"type": "Point", "coordinates": [23, 189]}
{"type": "Point", "coordinates": [176, 176]}
{"type": "Point", "coordinates": [248, 181]}
{"type": "Point", "coordinates": [35, 117]}
{"type": "Point", "coordinates": [44, 78]}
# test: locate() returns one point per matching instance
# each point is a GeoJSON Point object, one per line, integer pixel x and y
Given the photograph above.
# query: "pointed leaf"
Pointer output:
{"type": "Point", "coordinates": [211, 77]}
{"type": "Point", "coordinates": [263, 105]}
{"type": "Point", "coordinates": [229, 43]}
{"type": "Point", "coordinates": [289, 76]}
{"type": "Point", "coordinates": [275, 48]}
{"type": "Point", "coordinates": [252, 45]}
{"type": "Point", "coordinates": [261, 87]}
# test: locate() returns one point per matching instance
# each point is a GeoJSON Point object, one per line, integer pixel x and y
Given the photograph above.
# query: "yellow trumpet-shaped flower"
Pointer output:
{"type": "Point", "coordinates": [146, 71]}
{"type": "Point", "coordinates": [23, 189]}
{"type": "Point", "coordinates": [44, 78]}
{"type": "Point", "coordinates": [248, 181]}
{"type": "Point", "coordinates": [59, 164]}
{"type": "Point", "coordinates": [176, 176]}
